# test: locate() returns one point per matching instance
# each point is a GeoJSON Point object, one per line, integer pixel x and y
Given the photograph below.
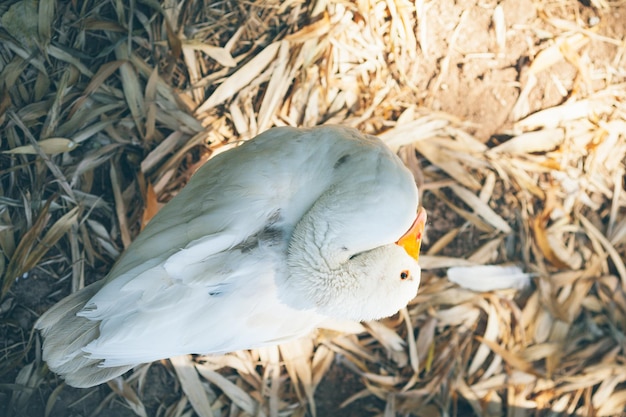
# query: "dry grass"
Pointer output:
{"type": "Point", "coordinates": [107, 104]}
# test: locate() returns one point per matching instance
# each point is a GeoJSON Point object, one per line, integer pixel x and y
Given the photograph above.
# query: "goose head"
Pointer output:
{"type": "Point", "coordinates": [367, 285]}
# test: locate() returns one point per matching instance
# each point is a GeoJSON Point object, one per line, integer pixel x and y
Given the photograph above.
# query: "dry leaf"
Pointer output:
{"type": "Point", "coordinates": [551, 55]}
{"type": "Point", "coordinates": [20, 21]}
{"type": "Point", "coordinates": [191, 385]}
{"type": "Point", "coordinates": [319, 27]}
{"type": "Point", "coordinates": [221, 55]}
{"type": "Point", "coordinates": [541, 238]}
{"type": "Point", "coordinates": [232, 391]}
{"type": "Point", "coordinates": [151, 205]}
{"type": "Point", "coordinates": [482, 209]}
{"type": "Point", "coordinates": [539, 141]}
{"type": "Point", "coordinates": [242, 77]}
{"type": "Point", "coordinates": [50, 146]}
{"type": "Point", "coordinates": [124, 390]}
{"type": "Point", "coordinates": [32, 248]}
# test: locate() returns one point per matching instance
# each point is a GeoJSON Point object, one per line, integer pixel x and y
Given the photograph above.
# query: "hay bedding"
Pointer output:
{"type": "Point", "coordinates": [515, 112]}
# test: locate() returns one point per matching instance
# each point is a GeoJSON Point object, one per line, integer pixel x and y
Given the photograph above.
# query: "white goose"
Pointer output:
{"type": "Point", "coordinates": [265, 242]}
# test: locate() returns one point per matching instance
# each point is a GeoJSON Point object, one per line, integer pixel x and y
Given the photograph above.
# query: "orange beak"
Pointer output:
{"type": "Point", "coordinates": [412, 240]}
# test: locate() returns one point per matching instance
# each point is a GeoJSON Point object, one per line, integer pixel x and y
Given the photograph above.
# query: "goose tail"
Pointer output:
{"type": "Point", "coordinates": [65, 335]}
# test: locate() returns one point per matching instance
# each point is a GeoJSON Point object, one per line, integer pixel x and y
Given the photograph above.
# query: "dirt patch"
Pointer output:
{"type": "Point", "coordinates": [338, 385]}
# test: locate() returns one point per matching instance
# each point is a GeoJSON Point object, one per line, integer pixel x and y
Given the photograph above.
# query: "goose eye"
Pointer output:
{"type": "Point", "coordinates": [404, 275]}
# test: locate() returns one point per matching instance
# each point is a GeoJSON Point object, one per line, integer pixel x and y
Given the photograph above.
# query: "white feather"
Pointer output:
{"type": "Point", "coordinates": [483, 278]}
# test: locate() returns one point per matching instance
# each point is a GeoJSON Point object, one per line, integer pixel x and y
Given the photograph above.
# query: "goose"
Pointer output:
{"type": "Point", "coordinates": [265, 242]}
